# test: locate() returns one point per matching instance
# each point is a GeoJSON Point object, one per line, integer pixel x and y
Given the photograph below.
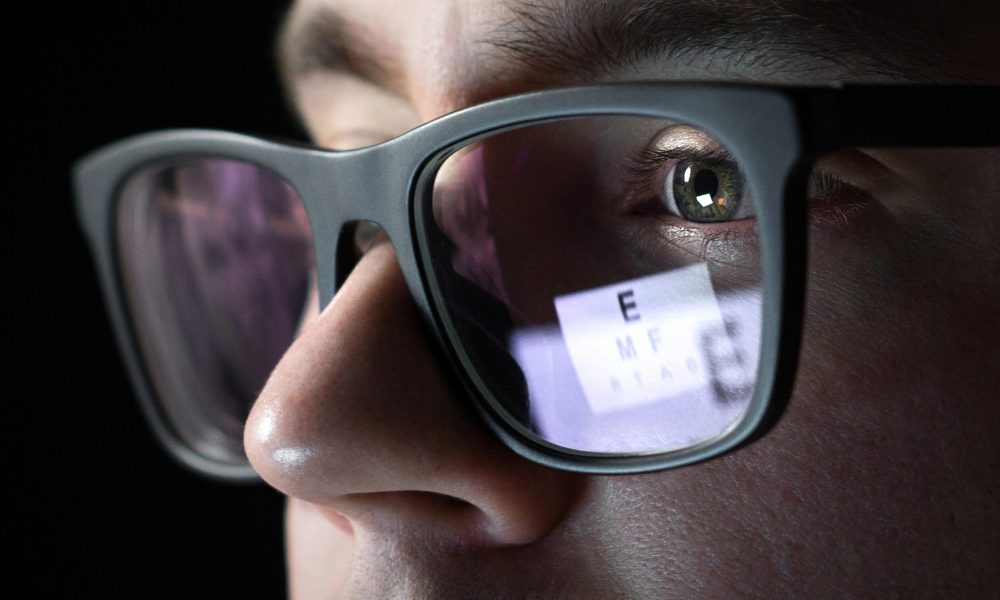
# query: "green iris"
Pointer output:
{"type": "Point", "coordinates": [707, 191]}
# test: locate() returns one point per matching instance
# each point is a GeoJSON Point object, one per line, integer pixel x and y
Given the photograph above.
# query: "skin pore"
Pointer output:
{"type": "Point", "coordinates": [881, 478]}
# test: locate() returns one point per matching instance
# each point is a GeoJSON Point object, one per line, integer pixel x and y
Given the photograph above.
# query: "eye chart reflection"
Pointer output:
{"type": "Point", "coordinates": [651, 363]}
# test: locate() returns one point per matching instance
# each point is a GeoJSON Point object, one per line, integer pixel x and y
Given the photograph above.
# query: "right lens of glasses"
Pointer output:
{"type": "Point", "coordinates": [600, 278]}
{"type": "Point", "coordinates": [216, 264]}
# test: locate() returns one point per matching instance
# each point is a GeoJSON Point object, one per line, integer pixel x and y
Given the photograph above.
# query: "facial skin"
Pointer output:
{"type": "Point", "coordinates": [880, 480]}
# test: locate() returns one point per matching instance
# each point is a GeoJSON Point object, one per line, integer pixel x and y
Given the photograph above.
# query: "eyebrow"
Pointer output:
{"type": "Point", "coordinates": [328, 42]}
{"type": "Point", "coordinates": [568, 40]}
{"type": "Point", "coordinates": [773, 37]}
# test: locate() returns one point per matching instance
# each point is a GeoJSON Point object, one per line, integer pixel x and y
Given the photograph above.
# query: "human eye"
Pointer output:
{"type": "Point", "coordinates": [691, 188]}
{"type": "Point", "coordinates": [689, 179]}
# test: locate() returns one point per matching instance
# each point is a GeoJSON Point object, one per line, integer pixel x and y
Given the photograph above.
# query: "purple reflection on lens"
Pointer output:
{"type": "Point", "coordinates": [238, 248]}
{"type": "Point", "coordinates": [461, 206]}
{"type": "Point", "coordinates": [217, 262]}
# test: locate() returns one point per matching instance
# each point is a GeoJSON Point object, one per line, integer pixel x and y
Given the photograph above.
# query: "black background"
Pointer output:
{"type": "Point", "coordinates": [94, 505]}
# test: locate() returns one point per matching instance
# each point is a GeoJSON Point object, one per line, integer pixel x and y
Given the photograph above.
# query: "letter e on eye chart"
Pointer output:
{"type": "Point", "coordinates": [639, 342]}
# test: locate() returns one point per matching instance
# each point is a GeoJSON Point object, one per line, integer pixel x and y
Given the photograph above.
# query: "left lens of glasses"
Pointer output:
{"type": "Point", "coordinates": [217, 266]}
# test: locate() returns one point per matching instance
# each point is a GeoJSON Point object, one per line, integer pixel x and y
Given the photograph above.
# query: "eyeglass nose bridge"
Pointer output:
{"type": "Point", "coordinates": [344, 187]}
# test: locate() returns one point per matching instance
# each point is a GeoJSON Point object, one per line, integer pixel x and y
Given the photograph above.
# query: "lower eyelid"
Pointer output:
{"type": "Point", "coordinates": [700, 241]}
{"type": "Point", "coordinates": [652, 208]}
{"type": "Point", "coordinates": [717, 245]}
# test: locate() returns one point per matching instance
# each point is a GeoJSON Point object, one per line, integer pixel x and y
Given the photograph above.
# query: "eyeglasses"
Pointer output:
{"type": "Point", "coordinates": [613, 273]}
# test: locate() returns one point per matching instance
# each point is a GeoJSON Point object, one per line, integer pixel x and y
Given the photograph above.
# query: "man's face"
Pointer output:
{"type": "Point", "coordinates": [881, 477]}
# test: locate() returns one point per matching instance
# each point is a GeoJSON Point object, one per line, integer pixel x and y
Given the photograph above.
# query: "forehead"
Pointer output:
{"type": "Point", "coordinates": [472, 48]}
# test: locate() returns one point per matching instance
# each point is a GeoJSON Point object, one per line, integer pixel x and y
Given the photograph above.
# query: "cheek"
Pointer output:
{"type": "Point", "coordinates": [901, 320]}
{"type": "Point", "coordinates": [885, 460]}
{"type": "Point", "coordinates": [901, 331]}
{"type": "Point", "coordinates": [827, 505]}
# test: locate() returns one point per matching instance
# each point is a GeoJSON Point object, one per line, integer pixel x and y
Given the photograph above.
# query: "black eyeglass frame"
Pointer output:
{"type": "Point", "coordinates": [774, 134]}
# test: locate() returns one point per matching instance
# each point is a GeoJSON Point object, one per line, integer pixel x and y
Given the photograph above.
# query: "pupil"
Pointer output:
{"type": "Point", "coordinates": [706, 182]}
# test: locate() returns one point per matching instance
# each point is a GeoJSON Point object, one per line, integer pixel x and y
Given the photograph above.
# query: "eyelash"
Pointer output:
{"type": "Point", "coordinates": [646, 163]}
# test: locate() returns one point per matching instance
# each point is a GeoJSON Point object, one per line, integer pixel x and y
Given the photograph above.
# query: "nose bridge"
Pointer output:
{"type": "Point", "coordinates": [366, 184]}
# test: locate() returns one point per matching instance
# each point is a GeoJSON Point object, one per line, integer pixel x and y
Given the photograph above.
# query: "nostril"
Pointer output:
{"type": "Point", "coordinates": [455, 502]}
{"type": "Point", "coordinates": [449, 519]}
{"type": "Point", "coordinates": [427, 501]}
{"type": "Point", "coordinates": [338, 520]}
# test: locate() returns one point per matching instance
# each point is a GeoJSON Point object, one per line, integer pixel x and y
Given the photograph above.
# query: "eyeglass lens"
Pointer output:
{"type": "Point", "coordinates": [216, 261]}
{"type": "Point", "coordinates": [602, 277]}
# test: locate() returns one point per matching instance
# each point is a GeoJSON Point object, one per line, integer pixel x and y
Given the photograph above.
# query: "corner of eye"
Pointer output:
{"type": "Point", "coordinates": [862, 168]}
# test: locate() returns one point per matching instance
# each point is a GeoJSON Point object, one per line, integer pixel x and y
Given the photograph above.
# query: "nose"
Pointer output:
{"type": "Point", "coordinates": [358, 417]}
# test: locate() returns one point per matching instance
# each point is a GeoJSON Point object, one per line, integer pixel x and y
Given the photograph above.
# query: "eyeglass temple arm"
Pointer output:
{"type": "Point", "coordinates": [913, 116]}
